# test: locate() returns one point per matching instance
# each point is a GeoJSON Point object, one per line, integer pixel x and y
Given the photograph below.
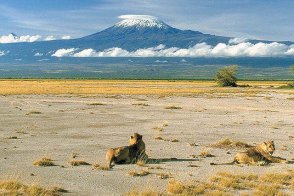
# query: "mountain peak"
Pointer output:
{"type": "Point", "coordinates": [13, 34]}
{"type": "Point", "coordinates": [141, 21]}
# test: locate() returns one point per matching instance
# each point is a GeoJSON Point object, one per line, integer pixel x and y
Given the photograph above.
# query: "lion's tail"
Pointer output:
{"type": "Point", "coordinates": [230, 163]}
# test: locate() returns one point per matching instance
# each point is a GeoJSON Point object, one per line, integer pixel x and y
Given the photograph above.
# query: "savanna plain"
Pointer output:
{"type": "Point", "coordinates": [54, 135]}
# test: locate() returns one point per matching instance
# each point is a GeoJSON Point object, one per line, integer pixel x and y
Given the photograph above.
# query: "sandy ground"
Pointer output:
{"type": "Point", "coordinates": [70, 124]}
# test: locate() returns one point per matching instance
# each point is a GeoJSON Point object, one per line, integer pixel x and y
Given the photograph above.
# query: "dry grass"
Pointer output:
{"type": "Point", "coordinates": [163, 175]}
{"type": "Point", "coordinates": [175, 187]}
{"type": "Point", "coordinates": [96, 104]}
{"type": "Point", "coordinates": [33, 112]}
{"type": "Point", "coordinates": [227, 143]}
{"type": "Point", "coordinates": [274, 126]}
{"type": "Point", "coordinates": [193, 144]}
{"type": "Point", "coordinates": [74, 155]}
{"type": "Point", "coordinates": [78, 162]}
{"type": "Point", "coordinates": [101, 167]}
{"type": "Point", "coordinates": [284, 148]}
{"type": "Point", "coordinates": [13, 137]}
{"type": "Point", "coordinates": [223, 183]}
{"type": "Point", "coordinates": [44, 162]}
{"type": "Point", "coordinates": [138, 173]}
{"type": "Point", "coordinates": [140, 104]}
{"type": "Point", "coordinates": [166, 140]}
{"type": "Point", "coordinates": [192, 165]}
{"type": "Point", "coordinates": [165, 124]}
{"type": "Point", "coordinates": [141, 162]}
{"type": "Point", "coordinates": [126, 87]}
{"type": "Point", "coordinates": [173, 107]}
{"type": "Point", "coordinates": [158, 138]}
{"type": "Point", "coordinates": [205, 154]}
{"type": "Point", "coordinates": [13, 187]}
{"type": "Point", "coordinates": [110, 87]}
{"type": "Point", "coordinates": [250, 94]}
{"type": "Point", "coordinates": [158, 129]}
{"type": "Point", "coordinates": [268, 190]}
{"type": "Point", "coordinates": [156, 167]}
{"type": "Point", "coordinates": [277, 178]}
{"type": "Point", "coordinates": [145, 193]}
{"type": "Point", "coordinates": [267, 98]}
{"type": "Point", "coordinates": [239, 181]}
{"type": "Point", "coordinates": [21, 132]}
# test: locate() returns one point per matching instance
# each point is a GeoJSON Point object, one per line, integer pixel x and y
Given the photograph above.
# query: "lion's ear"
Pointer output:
{"type": "Point", "coordinates": [132, 137]}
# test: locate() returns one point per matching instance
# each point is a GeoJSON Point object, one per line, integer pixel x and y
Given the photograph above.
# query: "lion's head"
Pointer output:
{"type": "Point", "coordinates": [136, 139]}
{"type": "Point", "coordinates": [268, 147]}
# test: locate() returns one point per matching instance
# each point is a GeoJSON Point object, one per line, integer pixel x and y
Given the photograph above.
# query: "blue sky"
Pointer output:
{"type": "Point", "coordinates": [258, 19]}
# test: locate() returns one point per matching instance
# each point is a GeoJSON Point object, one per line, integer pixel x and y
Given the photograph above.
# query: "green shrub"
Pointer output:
{"type": "Point", "coordinates": [226, 76]}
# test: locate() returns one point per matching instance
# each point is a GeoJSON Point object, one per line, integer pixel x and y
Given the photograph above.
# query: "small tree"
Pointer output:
{"type": "Point", "coordinates": [226, 76]}
{"type": "Point", "coordinates": [292, 68]}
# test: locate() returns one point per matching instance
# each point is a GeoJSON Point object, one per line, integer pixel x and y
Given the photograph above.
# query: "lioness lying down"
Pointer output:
{"type": "Point", "coordinates": [259, 154]}
{"type": "Point", "coordinates": [127, 154]}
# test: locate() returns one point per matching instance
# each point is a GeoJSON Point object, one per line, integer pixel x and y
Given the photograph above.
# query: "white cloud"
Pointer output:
{"type": "Point", "coordinates": [237, 40]}
{"type": "Point", "coordinates": [291, 50]}
{"type": "Point", "coordinates": [50, 38]}
{"type": "Point", "coordinates": [85, 53]}
{"type": "Point", "coordinates": [66, 37]}
{"type": "Point", "coordinates": [112, 52]}
{"type": "Point", "coordinates": [244, 49]}
{"type": "Point", "coordinates": [28, 38]}
{"type": "Point", "coordinates": [38, 54]}
{"type": "Point", "coordinates": [64, 52]}
{"type": "Point", "coordinates": [129, 16]}
{"type": "Point", "coordinates": [3, 53]}
{"type": "Point", "coordinates": [40, 60]}
{"type": "Point", "coordinates": [159, 61]}
{"type": "Point", "coordinates": [11, 38]}
{"type": "Point", "coordinates": [250, 50]}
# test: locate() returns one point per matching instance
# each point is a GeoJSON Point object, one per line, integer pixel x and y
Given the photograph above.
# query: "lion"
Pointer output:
{"type": "Point", "coordinates": [127, 154]}
{"type": "Point", "coordinates": [260, 154]}
{"type": "Point", "coordinates": [137, 139]}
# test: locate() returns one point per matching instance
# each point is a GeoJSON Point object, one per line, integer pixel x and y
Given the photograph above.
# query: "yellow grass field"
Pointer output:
{"type": "Point", "coordinates": [129, 87]}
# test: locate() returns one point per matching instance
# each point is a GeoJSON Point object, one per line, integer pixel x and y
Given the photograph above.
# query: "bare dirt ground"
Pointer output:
{"type": "Point", "coordinates": [60, 126]}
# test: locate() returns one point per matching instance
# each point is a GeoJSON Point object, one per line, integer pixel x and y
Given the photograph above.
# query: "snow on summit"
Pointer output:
{"type": "Point", "coordinates": [141, 21]}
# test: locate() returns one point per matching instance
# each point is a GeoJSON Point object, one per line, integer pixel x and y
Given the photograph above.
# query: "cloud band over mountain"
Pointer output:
{"type": "Point", "coordinates": [243, 49]}
{"type": "Point", "coordinates": [12, 38]}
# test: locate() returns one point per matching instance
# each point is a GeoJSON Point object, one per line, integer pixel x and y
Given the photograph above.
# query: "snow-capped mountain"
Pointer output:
{"type": "Point", "coordinates": [135, 32]}
{"type": "Point", "coordinates": [141, 31]}
{"type": "Point", "coordinates": [141, 21]}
